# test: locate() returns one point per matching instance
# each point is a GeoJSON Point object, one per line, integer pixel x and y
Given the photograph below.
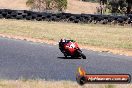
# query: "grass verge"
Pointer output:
{"type": "Point", "coordinates": [113, 37]}
{"type": "Point", "coordinates": [55, 84]}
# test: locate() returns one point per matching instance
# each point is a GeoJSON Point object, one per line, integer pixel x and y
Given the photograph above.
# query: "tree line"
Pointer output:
{"type": "Point", "coordinates": [45, 5]}
{"type": "Point", "coordinates": [114, 6]}
{"type": "Point", "coordinates": [118, 6]}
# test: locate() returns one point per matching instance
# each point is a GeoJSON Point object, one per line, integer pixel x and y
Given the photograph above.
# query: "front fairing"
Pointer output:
{"type": "Point", "coordinates": [71, 48]}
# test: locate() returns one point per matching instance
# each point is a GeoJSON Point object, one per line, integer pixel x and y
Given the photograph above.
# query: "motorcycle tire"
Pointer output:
{"type": "Point", "coordinates": [65, 54]}
{"type": "Point", "coordinates": [81, 54]}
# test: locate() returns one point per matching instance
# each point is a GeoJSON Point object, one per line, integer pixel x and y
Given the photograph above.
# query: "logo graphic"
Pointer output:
{"type": "Point", "coordinates": [82, 77]}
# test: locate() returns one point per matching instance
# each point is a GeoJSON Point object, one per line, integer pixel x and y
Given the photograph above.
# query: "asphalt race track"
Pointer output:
{"type": "Point", "coordinates": [28, 60]}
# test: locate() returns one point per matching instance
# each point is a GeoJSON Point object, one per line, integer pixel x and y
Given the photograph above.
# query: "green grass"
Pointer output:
{"type": "Point", "coordinates": [87, 34]}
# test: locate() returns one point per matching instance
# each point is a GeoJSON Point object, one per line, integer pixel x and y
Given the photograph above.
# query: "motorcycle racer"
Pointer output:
{"type": "Point", "coordinates": [70, 48]}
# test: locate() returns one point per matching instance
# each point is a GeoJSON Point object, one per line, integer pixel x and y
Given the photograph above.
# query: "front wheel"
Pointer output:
{"type": "Point", "coordinates": [81, 54]}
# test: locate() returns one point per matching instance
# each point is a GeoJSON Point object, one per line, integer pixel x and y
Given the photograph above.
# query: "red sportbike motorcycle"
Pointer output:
{"type": "Point", "coordinates": [70, 49]}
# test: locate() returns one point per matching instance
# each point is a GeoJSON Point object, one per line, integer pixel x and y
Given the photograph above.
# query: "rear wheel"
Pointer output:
{"type": "Point", "coordinates": [65, 54]}
{"type": "Point", "coordinates": [81, 54]}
